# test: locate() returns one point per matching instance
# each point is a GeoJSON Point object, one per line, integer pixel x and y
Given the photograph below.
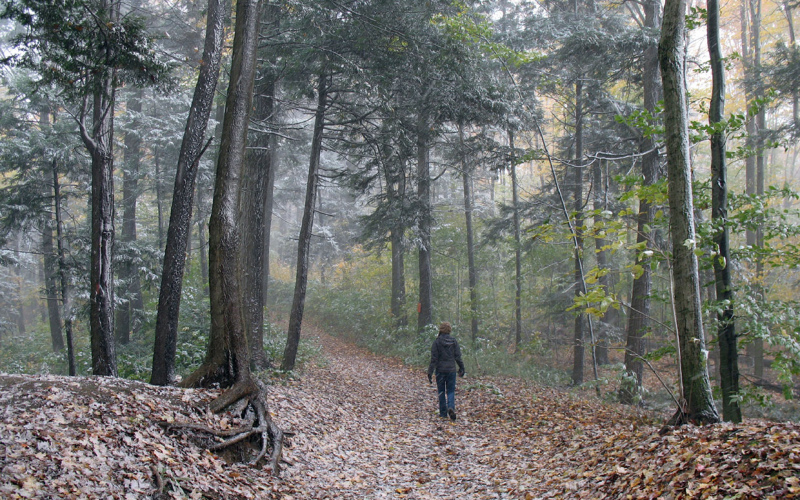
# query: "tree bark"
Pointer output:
{"type": "Point", "coordinates": [466, 174]}
{"type": "Point", "coordinates": [729, 353]}
{"type": "Point", "coordinates": [396, 193]}
{"type": "Point", "coordinates": [252, 216]}
{"type": "Point", "coordinates": [760, 130]}
{"type": "Point", "coordinates": [698, 403]}
{"type": "Point", "coordinates": [517, 245]}
{"type": "Point", "coordinates": [304, 242]}
{"type": "Point", "coordinates": [639, 315]}
{"type": "Point", "coordinates": [599, 205]}
{"type": "Point", "coordinates": [179, 230]}
{"type": "Point", "coordinates": [51, 286]}
{"type": "Point", "coordinates": [578, 351]}
{"type": "Point", "coordinates": [100, 144]}
{"type": "Point", "coordinates": [51, 266]}
{"type": "Point", "coordinates": [66, 293]}
{"type": "Point", "coordinates": [227, 359]}
{"type": "Point", "coordinates": [425, 306]}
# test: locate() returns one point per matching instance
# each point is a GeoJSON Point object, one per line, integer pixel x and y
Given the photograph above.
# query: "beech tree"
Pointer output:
{"type": "Point", "coordinates": [697, 403]}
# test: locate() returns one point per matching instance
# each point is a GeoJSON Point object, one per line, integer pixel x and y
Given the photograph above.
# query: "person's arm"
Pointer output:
{"type": "Point", "coordinates": [434, 360]}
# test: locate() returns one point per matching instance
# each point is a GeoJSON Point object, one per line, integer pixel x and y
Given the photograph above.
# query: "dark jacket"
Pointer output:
{"type": "Point", "coordinates": [445, 355]}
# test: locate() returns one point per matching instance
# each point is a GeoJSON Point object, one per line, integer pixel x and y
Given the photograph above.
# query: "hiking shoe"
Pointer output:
{"type": "Point", "coordinates": [452, 414]}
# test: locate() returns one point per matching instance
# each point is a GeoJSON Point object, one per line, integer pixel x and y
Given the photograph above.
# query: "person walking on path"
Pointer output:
{"type": "Point", "coordinates": [445, 358]}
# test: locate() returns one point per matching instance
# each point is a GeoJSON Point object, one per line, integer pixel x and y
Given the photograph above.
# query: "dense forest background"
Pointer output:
{"type": "Point", "coordinates": [497, 164]}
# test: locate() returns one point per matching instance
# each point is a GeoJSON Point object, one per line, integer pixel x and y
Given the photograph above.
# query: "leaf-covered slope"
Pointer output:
{"type": "Point", "coordinates": [366, 427]}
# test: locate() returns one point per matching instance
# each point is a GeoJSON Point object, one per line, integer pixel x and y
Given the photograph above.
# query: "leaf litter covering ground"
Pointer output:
{"type": "Point", "coordinates": [366, 427]}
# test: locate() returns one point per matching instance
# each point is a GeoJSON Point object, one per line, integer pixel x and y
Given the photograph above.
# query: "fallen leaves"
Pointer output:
{"type": "Point", "coordinates": [366, 427]}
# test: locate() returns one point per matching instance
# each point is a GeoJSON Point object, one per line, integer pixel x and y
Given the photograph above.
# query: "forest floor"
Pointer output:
{"type": "Point", "coordinates": [367, 427]}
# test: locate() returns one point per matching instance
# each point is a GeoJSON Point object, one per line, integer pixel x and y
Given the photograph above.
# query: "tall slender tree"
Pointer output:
{"type": "Point", "coordinates": [697, 401]}
{"type": "Point", "coordinates": [729, 351]}
{"type": "Point", "coordinates": [304, 240]}
{"type": "Point", "coordinates": [192, 148]}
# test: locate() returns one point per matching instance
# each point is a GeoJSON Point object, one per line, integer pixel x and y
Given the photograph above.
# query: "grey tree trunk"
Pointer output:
{"type": "Point", "coordinates": [252, 217]}
{"type": "Point", "coordinates": [51, 286]}
{"type": "Point", "coordinates": [729, 353]}
{"type": "Point", "coordinates": [639, 314]}
{"type": "Point", "coordinates": [578, 351]}
{"type": "Point", "coordinates": [66, 293]}
{"type": "Point", "coordinates": [169, 299]}
{"type": "Point", "coordinates": [396, 192]}
{"type": "Point", "coordinates": [425, 305]}
{"type": "Point", "coordinates": [599, 204]}
{"type": "Point", "coordinates": [131, 304]}
{"type": "Point", "coordinates": [517, 245]}
{"type": "Point", "coordinates": [51, 267]}
{"type": "Point", "coordinates": [760, 130]}
{"type": "Point", "coordinates": [99, 141]}
{"type": "Point", "coordinates": [227, 359]}
{"type": "Point", "coordinates": [306, 226]}
{"type": "Point", "coordinates": [698, 403]}
{"type": "Point", "coordinates": [466, 173]}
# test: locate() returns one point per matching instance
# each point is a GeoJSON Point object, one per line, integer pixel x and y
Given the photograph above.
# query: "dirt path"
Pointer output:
{"type": "Point", "coordinates": [371, 430]}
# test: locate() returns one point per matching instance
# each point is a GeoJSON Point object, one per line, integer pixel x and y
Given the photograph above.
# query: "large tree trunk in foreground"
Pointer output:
{"type": "Point", "coordinates": [729, 353]}
{"type": "Point", "coordinates": [252, 217]}
{"type": "Point", "coordinates": [169, 299]}
{"type": "Point", "coordinates": [639, 314]}
{"type": "Point", "coordinates": [100, 144]}
{"type": "Point", "coordinates": [306, 226]}
{"type": "Point", "coordinates": [227, 360]}
{"type": "Point", "coordinates": [698, 403]}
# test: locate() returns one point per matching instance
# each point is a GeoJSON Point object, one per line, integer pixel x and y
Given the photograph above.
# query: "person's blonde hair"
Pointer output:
{"type": "Point", "coordinates": [445, 327]}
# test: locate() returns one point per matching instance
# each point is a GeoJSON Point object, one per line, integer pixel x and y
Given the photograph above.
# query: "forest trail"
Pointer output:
{"type": "Point", "coordinates": [370, 429]}
{"type": "Point", "coordinates": [367, 427]}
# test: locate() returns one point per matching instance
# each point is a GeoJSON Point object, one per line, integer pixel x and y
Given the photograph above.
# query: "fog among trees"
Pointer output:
{"type": "Point", "coordinates": [598, 195]}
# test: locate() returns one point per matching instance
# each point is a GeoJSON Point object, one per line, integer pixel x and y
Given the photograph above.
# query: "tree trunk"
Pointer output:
{"type": "Point", "coordinates": [517, 245]}
{"type": "Point", "coordinates": [179, 230]}
{"type": "Point", "coordinates": [578, 354]}
{"type": "Point", "coordinates": [639, 315]}
{"type": "Point", "coordinates": [51, 267]}
{"type": "Point", "coordinates": [252, 217]}
{"type": "Point", "coordinates": [599, 205]}
{"type": "Point", "coordinates": [227, 360]}
{"type": "Point", "coordinates": [698, 403]}
{"type": "Point", "coordinates": [304, 241]}
{"type": "Point", "coordinates": [466, 174]}
{"type": "Point", "coordinates": [130, 304]}
{"type": "Point", "coordinates": [100, 144]}
{"type": "Point", "coordinates": [729, 354]}
{"type": "Point", "coordinates": [425, 306]}
{"type": "Point", "coordinates": [760, 130]}
{"type": "Point", "coordinates": [396, 192]}
{"type": "Point", "coordinates": [66, 299]}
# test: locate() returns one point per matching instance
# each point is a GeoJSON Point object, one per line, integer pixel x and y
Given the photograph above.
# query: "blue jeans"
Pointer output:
{"type": "Point", "coordinates": [446, 384]}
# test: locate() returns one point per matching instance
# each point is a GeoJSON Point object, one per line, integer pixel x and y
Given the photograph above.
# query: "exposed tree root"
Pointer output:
{"type": "Point", "coordinates": [259, 423]}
